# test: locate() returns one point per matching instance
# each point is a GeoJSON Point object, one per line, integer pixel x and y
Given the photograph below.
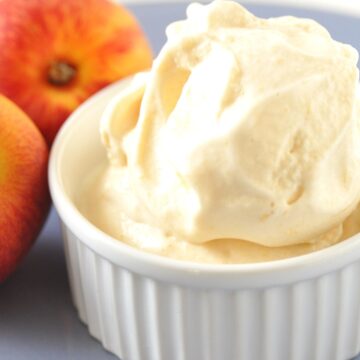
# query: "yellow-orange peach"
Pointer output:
{"type": "Point", "coordinates": [56, 53]}
{"type": "Point", "coordinates": [24, 196]}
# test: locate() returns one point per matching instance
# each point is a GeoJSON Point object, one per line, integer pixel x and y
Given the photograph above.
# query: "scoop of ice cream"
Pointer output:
{"type": "Point", "coordinates": [245, 128]}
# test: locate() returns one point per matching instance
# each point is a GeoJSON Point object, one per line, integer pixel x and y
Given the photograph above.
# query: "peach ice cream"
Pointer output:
{"type": "Point", "coordinates": [241, 144]}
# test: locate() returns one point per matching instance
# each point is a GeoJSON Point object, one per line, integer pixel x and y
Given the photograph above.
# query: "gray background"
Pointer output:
{"type": "Point", "coordinates": [37, 319]}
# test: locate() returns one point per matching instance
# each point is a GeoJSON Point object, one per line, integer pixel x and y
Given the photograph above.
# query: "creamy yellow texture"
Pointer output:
{"type": "Point", "coordinates": [245, 129]}
{"type": "Point", "coordinates": [106, 200]}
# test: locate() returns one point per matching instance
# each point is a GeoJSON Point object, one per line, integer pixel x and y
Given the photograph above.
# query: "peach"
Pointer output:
{"type": "Point", "coordinates": [54, 54]}
{"type": "Point", "coordinates": [24, 196]}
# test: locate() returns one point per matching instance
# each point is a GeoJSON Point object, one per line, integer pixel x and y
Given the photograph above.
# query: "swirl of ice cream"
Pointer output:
{"type": "Point", "coordinates": [245, 128]}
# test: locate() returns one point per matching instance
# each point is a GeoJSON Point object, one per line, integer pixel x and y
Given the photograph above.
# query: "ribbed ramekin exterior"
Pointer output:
{"type": "Point", "coordinates": [140, 318]}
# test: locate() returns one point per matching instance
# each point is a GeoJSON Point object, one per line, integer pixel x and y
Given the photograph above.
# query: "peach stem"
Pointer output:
{"type": "Point", "coordinates": [61, 73]}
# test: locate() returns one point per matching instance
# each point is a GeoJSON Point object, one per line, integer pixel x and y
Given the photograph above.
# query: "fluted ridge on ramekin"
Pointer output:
{"type": "Point", "coordinates": [139, 318]}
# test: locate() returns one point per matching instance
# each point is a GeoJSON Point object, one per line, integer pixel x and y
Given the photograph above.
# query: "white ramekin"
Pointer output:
{"type": "Point", "coordinates": [146, 307]}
